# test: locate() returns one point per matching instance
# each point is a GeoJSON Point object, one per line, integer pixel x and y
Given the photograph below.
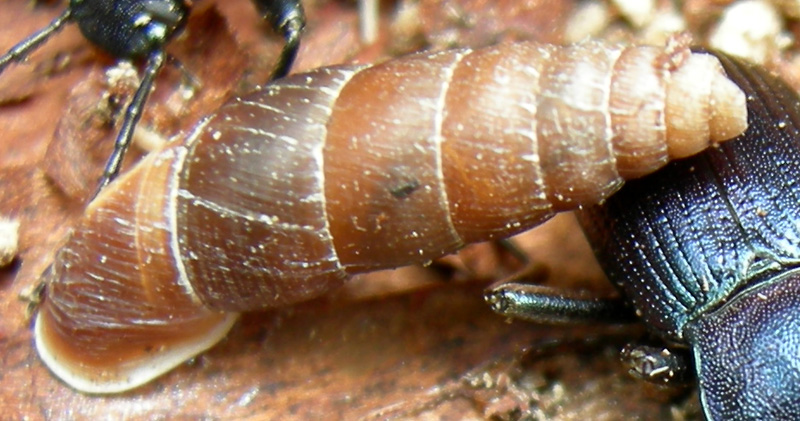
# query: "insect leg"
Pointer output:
{"type": "Point", "coordinates": [551, 305]}
{"type": "Point", "coordinates": [513, 249]}
{"type": "Point", "coordinates": [659, 365]}
{"type": "Point", "coordinates": [20, 51]}
{"type": "Point", "coordinates": [288, 18]}
{"type": "Point", "coordinates": [133, 113]}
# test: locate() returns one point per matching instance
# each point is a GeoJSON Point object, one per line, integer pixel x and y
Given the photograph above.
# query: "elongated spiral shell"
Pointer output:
{"type": "Point", "coordinates": [281, 194]}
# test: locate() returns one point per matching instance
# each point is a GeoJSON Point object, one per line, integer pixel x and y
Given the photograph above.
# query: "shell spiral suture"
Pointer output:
{"type": "Point", "coordinates": [282, 194]}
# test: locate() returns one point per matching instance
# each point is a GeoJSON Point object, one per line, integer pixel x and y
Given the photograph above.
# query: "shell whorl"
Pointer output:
{"type": "Point", "coordinates": [280, 195]}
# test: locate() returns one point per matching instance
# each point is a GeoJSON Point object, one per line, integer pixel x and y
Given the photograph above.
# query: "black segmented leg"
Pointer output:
{"type": "Point", "coordinates": [288, 18]}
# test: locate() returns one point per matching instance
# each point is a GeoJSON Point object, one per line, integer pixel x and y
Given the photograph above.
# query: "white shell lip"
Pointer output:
{"type": "Point", "coordinates": [80, 379]}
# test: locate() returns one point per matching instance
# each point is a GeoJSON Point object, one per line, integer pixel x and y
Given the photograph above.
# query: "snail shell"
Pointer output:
{"type": "Point", "coordinates": [282, 194]}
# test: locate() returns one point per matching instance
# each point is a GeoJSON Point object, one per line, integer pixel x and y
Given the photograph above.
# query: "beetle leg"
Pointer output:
{"type": "Point", "coordinates": [511, 247]}
{"type": "Point", "coordinates": [18, 52]}
{"type": "Point", "coordinates": [551, 305]}
{"type": "Point", "coordinates": [132, 115]}
{"type": "Point", "coordinates": [659, 365]}
{"type": "Point", "coordinates": [32, 297]}
{"type": "Point", "coordinates": [288, 18]}
{"type": "Point", "coordinates": [189, 80]}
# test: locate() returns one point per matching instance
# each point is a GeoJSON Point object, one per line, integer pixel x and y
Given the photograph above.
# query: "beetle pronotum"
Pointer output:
{"type": "Point", "coordinates": [707, 252]}
{"type": "Point", "coordinates": [281, 194]}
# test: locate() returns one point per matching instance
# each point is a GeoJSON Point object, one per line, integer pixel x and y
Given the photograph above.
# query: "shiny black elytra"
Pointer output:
{"type": "Point", "coordinates": [140, 30]}
{"type": "Point", "coordinates": [707, 252]}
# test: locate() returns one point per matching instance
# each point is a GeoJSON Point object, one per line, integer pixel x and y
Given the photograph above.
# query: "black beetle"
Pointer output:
{"type": "Point", "coordinates": [706, 251]}
{"type": "Point", "coordinates": [141, 29]}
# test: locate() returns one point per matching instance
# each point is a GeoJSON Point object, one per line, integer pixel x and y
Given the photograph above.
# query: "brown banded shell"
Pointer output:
{"type": "Point", "coordinates": [280, 195]}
